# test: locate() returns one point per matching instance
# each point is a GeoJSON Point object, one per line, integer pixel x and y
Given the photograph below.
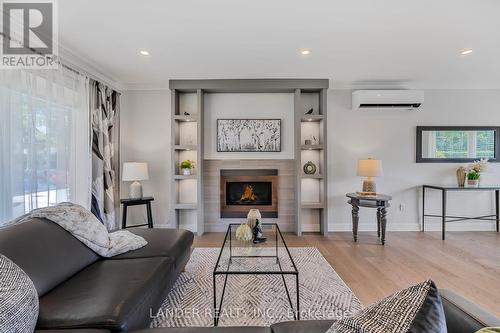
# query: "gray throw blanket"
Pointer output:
{"type": "Point", "coordinates": [83, 225]}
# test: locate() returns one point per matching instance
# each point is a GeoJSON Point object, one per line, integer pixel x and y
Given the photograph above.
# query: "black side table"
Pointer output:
{"type": "Point", "coordinates": [134, 202]}
{"type": "Point", "coordinates": [380, 202]}
{"type": "Point", "coordinates": [454, 218]}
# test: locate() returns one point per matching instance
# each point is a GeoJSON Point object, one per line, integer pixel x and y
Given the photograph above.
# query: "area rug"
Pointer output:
{"type": "Point", "coordinates": [256, 300]}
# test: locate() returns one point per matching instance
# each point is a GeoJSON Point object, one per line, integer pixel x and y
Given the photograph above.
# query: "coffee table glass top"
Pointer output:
{"type": "Point", "coordinates": [245, 257]}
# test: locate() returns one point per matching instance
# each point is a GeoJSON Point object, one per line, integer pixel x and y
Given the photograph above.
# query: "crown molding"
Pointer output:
{"type": "Point", "coordinates": [146, 86]}
{"type": "Point", "coordinates": [88, 68]}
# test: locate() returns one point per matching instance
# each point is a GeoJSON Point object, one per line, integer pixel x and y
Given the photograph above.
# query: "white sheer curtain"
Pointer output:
{"type": "Point", "coordinates": [45, 153]}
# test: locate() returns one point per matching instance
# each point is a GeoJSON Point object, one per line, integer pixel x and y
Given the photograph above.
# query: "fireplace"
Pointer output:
{"type": "Point", "coordinates": [242, 190]}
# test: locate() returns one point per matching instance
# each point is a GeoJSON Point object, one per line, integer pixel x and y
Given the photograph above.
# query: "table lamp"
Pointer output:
{"type": "Point", "coordinates": [134, 172]}
{"type": "Point", "coordinates": [369, 168]}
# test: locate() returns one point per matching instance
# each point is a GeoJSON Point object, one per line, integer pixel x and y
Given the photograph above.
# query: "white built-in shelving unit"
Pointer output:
{"type": "Point", "coordinates": [311, 189]}
{"type": "Point", "coordinates": [187, 143]}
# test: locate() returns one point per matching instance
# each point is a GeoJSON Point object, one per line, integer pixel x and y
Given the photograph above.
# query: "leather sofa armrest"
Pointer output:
{"type": "Point", "coordinates": [463, 316]}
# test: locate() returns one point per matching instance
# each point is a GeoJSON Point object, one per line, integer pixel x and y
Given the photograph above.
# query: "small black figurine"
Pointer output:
{"type": "Point", "coordinates": [257, 233]}
{"type": "Point", "coordinates": [187, 113]}
{"type": "Point", "coordinates": [310, 111]}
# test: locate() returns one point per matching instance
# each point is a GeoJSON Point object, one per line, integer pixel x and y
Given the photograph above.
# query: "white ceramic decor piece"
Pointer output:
{"type": "Point", "coordinates": [252, 217]}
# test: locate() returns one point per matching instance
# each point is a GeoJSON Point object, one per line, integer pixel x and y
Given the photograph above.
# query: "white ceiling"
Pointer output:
{"type": "Point", "coordinates": [395, 42]}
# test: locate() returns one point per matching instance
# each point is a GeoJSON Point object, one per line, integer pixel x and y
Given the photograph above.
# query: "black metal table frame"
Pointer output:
{"type": "Point", "coordinates": [227, 272]}
{"type": "Point", "coordinates": [453, 218]}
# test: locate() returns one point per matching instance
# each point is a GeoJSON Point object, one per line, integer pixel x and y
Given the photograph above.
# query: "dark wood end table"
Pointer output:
{"type": "Point", "coordinates": [379, 202]}
{"type": "Point", "coordinates": [134, 202]}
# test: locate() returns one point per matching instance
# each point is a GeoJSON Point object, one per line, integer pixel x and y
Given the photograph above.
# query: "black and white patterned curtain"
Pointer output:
{"type": "Point", "coordinates": [104, 108]}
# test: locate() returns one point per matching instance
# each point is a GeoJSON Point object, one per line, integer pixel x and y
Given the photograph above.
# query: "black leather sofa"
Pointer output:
{"type": "Point", "coordinates": [83, 293]}
{"type": "Point", "coordinates": [80, 290]}
{"type": "Point", "coordinates": [462, 316]}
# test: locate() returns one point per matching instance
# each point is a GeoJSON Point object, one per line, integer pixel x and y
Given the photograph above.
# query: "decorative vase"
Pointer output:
{"type": "Point", "coordinates": [186, 171]}
{"type": "Point", "coordinates": [461, 175]}
{"type": "Point", "coordinates": [309, 168]}
{"type": "Point", "coordinates": [252, 217]}
{"type": "Point", "coordinates": [473, 182]}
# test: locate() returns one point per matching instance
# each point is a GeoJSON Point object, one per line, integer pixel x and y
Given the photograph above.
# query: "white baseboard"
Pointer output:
{"type": "Point", "coordinates": [429, 226]}
{"type": "Point", "coordinates": [347, 227]}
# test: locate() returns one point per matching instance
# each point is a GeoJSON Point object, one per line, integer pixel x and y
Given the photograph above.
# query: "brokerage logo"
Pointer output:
{"type": "Point", "coordinates": [29, 34]}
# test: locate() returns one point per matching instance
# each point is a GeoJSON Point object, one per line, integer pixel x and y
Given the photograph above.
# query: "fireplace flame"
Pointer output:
{"type": "Point", "coordinates": [248, 194]}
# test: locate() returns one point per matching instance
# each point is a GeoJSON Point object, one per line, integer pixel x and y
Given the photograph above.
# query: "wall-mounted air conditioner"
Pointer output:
{"type": "Point", "coordinates": [384, 99]}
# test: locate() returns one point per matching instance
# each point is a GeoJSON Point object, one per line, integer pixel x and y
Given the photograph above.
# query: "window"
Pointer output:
{"type": "Point", "coordinates": [44, 147]}
{"type": "Point", "coordinates": [456, 144]}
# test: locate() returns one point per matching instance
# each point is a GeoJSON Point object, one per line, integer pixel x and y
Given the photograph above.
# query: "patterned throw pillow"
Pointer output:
{"type": "Point", "coordinates": [18, 299]}
{"type": "Point", "coordinates": [415, 309]}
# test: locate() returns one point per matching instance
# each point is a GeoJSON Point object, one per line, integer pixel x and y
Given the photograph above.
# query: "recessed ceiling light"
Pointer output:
{"type": "Point", "coordinates": [305, 52]}
{"type": "Point", "coordinates": [465, 52]}
{"type": "Point", "coordinates": [144, 52]}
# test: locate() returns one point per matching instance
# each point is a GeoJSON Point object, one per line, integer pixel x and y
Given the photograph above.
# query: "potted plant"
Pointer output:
{"type": "Point", "coordinates": [187, 166]}
{"type": "Point", "coordinates": [474, 172]}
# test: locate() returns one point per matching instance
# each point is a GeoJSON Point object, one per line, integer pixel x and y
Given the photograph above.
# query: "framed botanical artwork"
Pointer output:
{"type": "Point", "coordinates": [248, 135]}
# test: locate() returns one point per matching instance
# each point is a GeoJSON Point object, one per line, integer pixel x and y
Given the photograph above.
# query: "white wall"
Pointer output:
{"type": "Point", "coordinates": [241, 106]}
{"type": "Point", "coordinates": [145, 137]}
{"type": "Point", "coordinates": [390, 136]}
{"type": "Point", "coordinates": [387, 135]}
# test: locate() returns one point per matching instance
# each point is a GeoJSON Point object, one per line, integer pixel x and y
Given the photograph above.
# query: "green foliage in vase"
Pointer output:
{"type": "Point", "coordinates": [187, 164]}
{"type": "Point", "coordinates": [476, 168]}
{"type": "Point", "coordinates": [473, 175]}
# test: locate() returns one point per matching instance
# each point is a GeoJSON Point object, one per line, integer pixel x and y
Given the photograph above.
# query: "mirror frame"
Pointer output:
{"type": "Point", "coordinates": [420, 129]}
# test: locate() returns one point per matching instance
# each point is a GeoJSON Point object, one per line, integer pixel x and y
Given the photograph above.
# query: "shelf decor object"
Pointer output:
{"type": "Point", "coordinates": [186, 167]}
{"type": "Point", "coordinates": [248, 135]}
{"type": "Point", "coordinates": [135, 172]}
{"type": "Point", "coordinates": [369, 168]}
{"type": "Point", "coordinates": [309, 168]}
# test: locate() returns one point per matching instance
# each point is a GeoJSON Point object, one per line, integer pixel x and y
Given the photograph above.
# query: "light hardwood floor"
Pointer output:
{"type": "Point", "coordinates": [467, 262]}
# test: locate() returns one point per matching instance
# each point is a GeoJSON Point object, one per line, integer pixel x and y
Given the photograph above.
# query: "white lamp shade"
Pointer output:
{"type": "Point", "coordinates": [370, 168]}
{"type": "Point", "coordinates": [133, 171]}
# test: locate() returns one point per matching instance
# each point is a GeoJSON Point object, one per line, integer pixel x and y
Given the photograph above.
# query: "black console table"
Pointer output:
{"type": "Point", "coordinates": [379, 202]}
{"type": "Point", "coordinates": [453, 218]}
{"type": "Point", "coordinates": [134, 202]}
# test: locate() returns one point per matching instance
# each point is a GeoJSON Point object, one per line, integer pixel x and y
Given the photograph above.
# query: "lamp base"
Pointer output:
{"type": "Point", "coordinates": [135, 190]}
{"type": "Point", "coordinates": [369, 187]}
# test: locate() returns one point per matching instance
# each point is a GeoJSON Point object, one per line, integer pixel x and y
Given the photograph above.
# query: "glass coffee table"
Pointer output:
{"type": "Point", "coordinates": [246, 258]}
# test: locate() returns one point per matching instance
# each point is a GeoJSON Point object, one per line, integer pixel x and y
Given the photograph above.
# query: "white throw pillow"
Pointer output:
{"type": "Point", "coordinates": [18, 299]}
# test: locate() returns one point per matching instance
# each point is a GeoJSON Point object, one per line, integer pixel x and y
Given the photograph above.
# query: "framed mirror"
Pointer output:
{"type": "Point", "coordinates": [457, 144]}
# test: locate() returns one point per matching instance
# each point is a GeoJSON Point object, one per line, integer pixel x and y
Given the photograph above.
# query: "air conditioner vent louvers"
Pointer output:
{"type": "Point", "coordinates": [414, 105]}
